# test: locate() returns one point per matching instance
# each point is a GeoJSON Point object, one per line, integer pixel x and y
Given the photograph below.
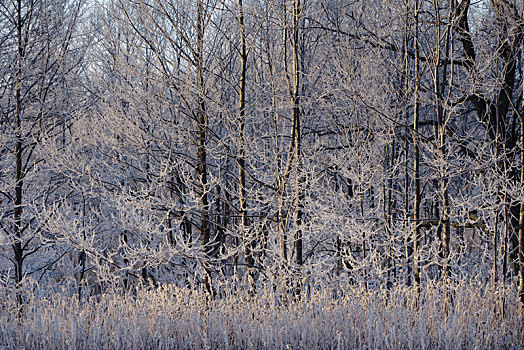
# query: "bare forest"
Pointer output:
{"type": "Point", "coordinates": [287, 174]}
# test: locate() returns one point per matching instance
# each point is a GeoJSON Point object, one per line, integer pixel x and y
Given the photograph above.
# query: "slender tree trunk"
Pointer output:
{"type": "Point", "coordinates": [82, 257]}
{"type": "Point", "coordinates": [495, 248]}
{"type": "Point", "coordinates": [387, 209]}
{"type": "Point", "coordinates": [506, 234]}
{"type": "Point", "coordinates": [439, 87]}
{"type": "Point", "coordinates": [416, 155]}
{"type": "Point", "coordinates": [521, 214]}
{"type": "Point", "coordinates": [281, 222]}
{"type": "Point", "coordinates": [244, 222]}
{"type": "Point", "coordinates": [408, 248]}
{"type": "Point", "coordinates": [363, 246]}
{"type": "Point", "coordinates": [202, 149]}
{"type": "Point", "coordinates": [19, 177]}
{"type": "Point", "coordinates": [282, 177]}
{"type": "Point", "coordinates": [297, 14]}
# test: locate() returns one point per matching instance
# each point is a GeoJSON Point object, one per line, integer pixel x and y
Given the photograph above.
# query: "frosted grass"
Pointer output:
{"type": "Point", "coordinates": [175, 318]}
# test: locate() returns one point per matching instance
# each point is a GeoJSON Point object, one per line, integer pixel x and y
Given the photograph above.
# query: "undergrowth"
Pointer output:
{"type": "Point", "coordinates": [465, 316]}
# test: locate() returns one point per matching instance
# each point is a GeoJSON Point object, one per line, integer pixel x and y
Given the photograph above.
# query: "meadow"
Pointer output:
{"type": "Point", "coordinates": [465, 316]}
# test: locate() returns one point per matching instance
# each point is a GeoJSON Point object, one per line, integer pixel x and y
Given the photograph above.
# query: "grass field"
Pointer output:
{"type": "Point", "coordinates": [467, 316]}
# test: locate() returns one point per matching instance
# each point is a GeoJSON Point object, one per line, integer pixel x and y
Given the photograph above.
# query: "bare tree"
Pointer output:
{"type": "Point", "coordinates": [40, 49]}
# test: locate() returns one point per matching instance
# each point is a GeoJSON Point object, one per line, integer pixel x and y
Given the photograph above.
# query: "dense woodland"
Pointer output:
{"type": "Point", "coordinates": [221, 145]}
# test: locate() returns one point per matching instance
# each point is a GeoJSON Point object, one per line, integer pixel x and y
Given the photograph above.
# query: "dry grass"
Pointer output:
{"type": "Point", "coordinates": [174, 318]}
